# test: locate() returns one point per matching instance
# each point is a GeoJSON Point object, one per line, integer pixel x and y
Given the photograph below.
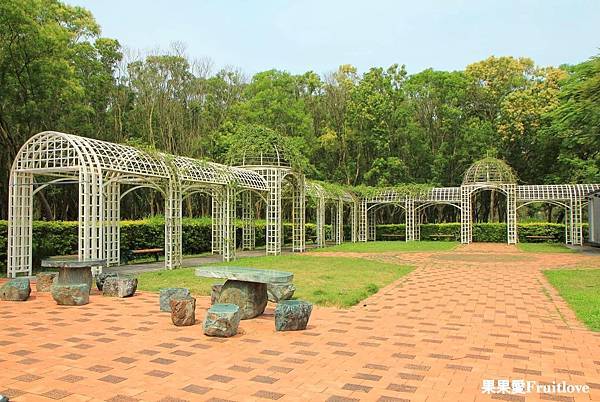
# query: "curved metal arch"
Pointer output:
{"type": "Point", "coordinates": [206, 191]}
{"type": "Point", "coordinates": [553, 202]}
{"type": "Point", "coordinates": [316, 190]}
{"type": "Point", "coordinates": [260, 194]}
{"type": "Point", "coordinates": [55, 181]}
{"type": "Point", "coordinates": [432, 203]}
{"type": "Point", "coordinates": [129, 190]}
{"type": "Point", "coordinates": [55, 151]}
{"type": "Point", "coordinates": [475, 188]}
{"type": "Point", "coordinates": [383, 204]}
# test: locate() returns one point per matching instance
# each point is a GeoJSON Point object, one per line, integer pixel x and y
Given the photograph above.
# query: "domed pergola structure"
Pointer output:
{"type": "Point", "coordinates": [485, 174]}
{"type": "Point", "coordinates": [489, 171]}
{"type": "Point", "coordinates": [105, 172]}
{"type": "Point", "coordinates": [489, 174]}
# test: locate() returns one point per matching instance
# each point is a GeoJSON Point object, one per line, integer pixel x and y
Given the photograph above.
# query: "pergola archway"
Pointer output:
{"type": "Point", "coordinates": [336, 199]}
{"type": "Point", "coordinates": [104, 172]}
{"type": "Point", "coordinates": [100, 168]}
{"type": "Point", "coordinates": [486, 174]}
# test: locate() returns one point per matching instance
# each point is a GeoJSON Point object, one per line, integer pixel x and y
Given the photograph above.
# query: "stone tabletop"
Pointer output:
{"type": "Point", "coordinates": [67, 263]}
{"type": "Point", "coordinates": [245, 274]}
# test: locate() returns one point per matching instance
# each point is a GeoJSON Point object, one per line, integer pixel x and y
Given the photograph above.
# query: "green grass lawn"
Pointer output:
{"type": "Point", "coordinates": [581, 289]}
{"type": "Point", "coordinates": [387, 246]}
{"type": "Point", "coordinates": [326, 281]}
{"type": "Point", "coordinates": [544, 248]}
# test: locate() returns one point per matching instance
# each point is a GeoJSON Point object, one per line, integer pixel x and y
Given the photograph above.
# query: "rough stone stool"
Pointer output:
{"type": "Point", "coordinates": [251, 297]}
{"type": "Point", "coordinates": [102, 277]}
{"type": "Point", "coordinates": [183, 311]}
{"type": "Point", "coordinates": [292, 315]}
{"type": "Point", "coordinates": [215, 292]}
{"type": "Point", "coordinates": [17, 289]}
{"type": "Point", "coordinates": [71, 295]}
{"type": "Point", "coordinates": [169, 293]}
{"type": "Point", "coordinates": [276, 292]}
{"type": "Point", "coordinates": [44, 281]}
{"type": "Point", "coordinates": [222, 320]}
{"type": "Point", "coordinates": [119, 287]}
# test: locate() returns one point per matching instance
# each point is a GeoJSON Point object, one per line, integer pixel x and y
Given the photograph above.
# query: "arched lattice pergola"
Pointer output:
{"type": "Point", "coordinates": [105, 172]}
{"type": "Point", "coordinates": [336, 199]}
{"type": "Point", "coordinates": [486, 174]}
{"type": "Point", "coordinates": [101, 169]}
{"type": "Point", "coordinates": [274, 167]}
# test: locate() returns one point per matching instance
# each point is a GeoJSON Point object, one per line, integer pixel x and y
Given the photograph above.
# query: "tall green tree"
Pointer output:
{"type": "Point", "coordinates": [55, 74]}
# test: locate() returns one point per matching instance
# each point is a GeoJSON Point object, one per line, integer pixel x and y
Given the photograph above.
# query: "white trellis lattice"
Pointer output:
{"type": "Point", "coordinates": [100, 169]}
{"type": "Point", "coordinates": [106, 172]}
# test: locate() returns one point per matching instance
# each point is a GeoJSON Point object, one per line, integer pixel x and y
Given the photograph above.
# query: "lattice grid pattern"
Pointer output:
{"type": "Point", "coordinates": [100, 169]}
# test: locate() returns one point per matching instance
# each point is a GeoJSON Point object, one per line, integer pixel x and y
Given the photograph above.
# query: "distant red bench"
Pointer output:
{"type": "Point", "coordinates": [132, 254]}
{"type": "Point", "coordinates": [540, 237]}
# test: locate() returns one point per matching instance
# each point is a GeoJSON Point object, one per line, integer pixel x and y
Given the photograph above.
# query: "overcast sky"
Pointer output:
{"type": "Point", "coordinates": [319, 35]}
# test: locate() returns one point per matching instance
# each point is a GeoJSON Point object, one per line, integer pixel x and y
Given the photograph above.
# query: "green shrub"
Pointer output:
{"type": "Point", "coordinates": [60, 238]}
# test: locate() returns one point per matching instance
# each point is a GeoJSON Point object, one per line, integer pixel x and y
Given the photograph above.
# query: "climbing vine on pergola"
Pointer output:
{"type": "Point", "coordinates": [265, 164]}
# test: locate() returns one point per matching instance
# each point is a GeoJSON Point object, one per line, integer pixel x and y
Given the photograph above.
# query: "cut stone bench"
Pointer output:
{"type": "Point", "coordinates": [222, 320]}
{"type": "Point", "coordinates": [292, 315]}
{"type": "Point", "coordinates": [102, 277]}
{"type": "Point", "coordinates": [119, 287]}
{"type": "Point", "coordinates": [45, 280]}
{"type": "Point", "coordinates": [183, 311]}
{"type": "Point", "coordinates": [167, 294]}
{"type": "Point", "coordinates": [17, 289]}
{"type": "Point", "coordinates": [277, 293]}
{"type": "Point", "coordinates": [245, 287]}
{"type": "Point", "coordinates": [71, 295]}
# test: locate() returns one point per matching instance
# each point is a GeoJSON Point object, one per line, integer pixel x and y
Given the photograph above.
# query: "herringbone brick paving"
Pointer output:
{"type": "Point", "coordinates": [480, 312]}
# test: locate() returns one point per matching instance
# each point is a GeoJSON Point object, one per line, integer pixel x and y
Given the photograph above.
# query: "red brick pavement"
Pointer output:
{"type": "Point", "coordinates": [480, 312]}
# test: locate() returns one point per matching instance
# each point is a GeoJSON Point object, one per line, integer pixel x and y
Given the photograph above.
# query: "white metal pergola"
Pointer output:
{"type": "Point", "coordinates": [486, 174]}
{"type": "Point", "coordinates": [105, 172]}
{"type": "Point", "coordinates": [336, 200]}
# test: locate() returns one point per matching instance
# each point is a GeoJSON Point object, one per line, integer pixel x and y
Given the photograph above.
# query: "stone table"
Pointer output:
{"type": "Point", "coordinates": [73, 272]}
{"type": "Point", "coordinates": [245, 287]}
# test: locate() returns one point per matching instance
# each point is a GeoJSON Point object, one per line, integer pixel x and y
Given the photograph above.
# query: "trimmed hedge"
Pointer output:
{"type": "Point", "coordinates": [60, 238]}
{"type": "Point", "coordinates": [484, 232]}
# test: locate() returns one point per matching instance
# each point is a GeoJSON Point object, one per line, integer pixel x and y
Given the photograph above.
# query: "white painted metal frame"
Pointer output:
{"type": "Point", "coordinates": [100, 168]}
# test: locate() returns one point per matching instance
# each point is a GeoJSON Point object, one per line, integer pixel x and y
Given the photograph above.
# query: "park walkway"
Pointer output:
{"type": "Point", "coordinates": [479, 312]}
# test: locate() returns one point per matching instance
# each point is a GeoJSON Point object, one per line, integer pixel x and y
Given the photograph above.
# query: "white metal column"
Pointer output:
{"type": "Point", "coordinates": [577, 216]}
{"type": "Point", "coordinates": [20, 207]}
{"type": "Point", "coordinates": [298, 216]}
{"type": "Point", "coordinates": [320, 221]}
{"type": "Point", "coordinates": [362, 220]}
{"type": "Point", "coordinates": [173, 235]}
{"type": "Point", "coordinates": [229, 232]}
{"type": "Point", "coordinates": [248, 225]}
{"type": "Point", "coordinates": [466, 225]}
{"type": "Point", "coordinates": [354, 221]}
{"type": "Point", "coordinates": [511, 213]}
{"type": "Point", "coordinates": [91, 215]}
{"type": "Point", "coordinates": [418, 224]}
{"type": "Point", "coordinates": [339, 235]}
{"type": "Point", "coordinates": [217, 220]}
{"type": "Point", "coordinates": [274, 218]}
{"type": "Point", "coordinates": [371, 225]}
{"type": "Point", "coordinates": [112, 214]}
{"type": "Point", "coordinates": [409, 212]}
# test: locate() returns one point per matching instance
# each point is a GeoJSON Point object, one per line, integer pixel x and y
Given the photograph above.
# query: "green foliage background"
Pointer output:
{"type": "Point", "coordinates": [380, 127]}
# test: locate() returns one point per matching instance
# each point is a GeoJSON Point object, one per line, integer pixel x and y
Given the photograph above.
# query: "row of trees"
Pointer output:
{"type": "Point", "coordinates": [379, 127]}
